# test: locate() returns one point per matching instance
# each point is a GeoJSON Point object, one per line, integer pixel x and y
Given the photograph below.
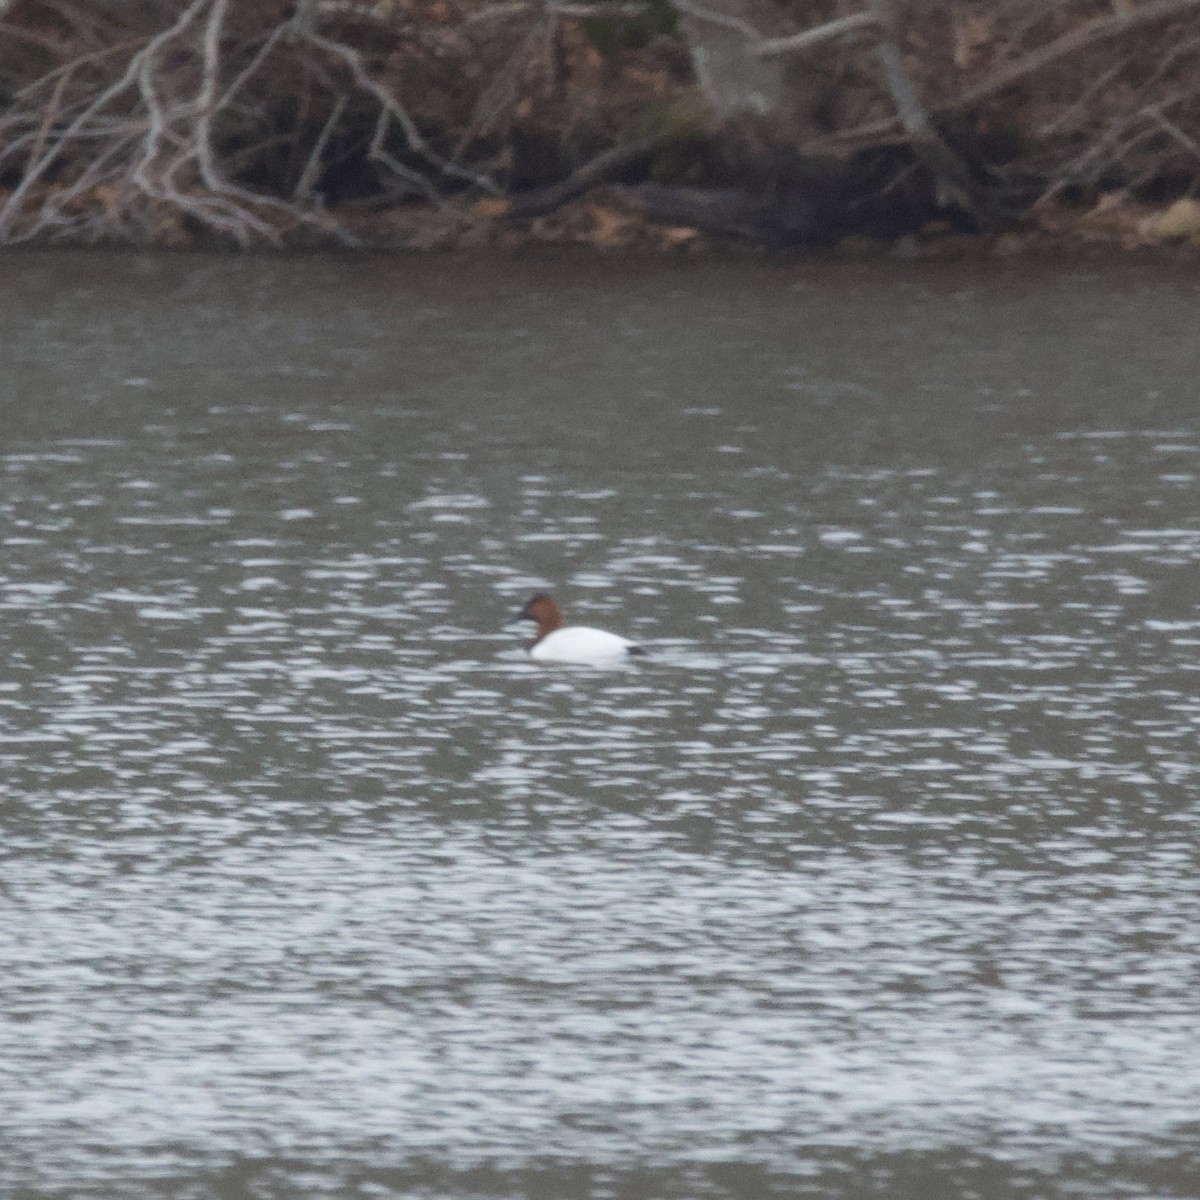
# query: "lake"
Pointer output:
{"type": "Point", "coordinates": [876, 877]}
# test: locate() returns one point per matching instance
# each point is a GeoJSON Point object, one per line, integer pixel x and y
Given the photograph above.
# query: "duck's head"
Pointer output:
{"type": "Point", "coordinates": [542, 610]}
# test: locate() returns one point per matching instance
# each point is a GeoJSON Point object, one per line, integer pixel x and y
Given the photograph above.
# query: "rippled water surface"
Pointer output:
{"type": "Point", "coordinates": [877, 877]}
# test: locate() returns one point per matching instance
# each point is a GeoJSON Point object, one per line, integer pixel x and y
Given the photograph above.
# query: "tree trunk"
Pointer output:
{"type": "Point", "coordinates": [765, 104]}
{"type": "Point", "coordinates": [759, 76]}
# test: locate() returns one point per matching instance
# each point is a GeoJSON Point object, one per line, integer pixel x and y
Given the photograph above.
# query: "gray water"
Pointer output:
{"type": "Point", "coordinates": [876, 877]}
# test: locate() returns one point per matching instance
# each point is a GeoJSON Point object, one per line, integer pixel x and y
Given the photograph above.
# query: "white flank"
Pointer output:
{"type": "Point", "coordinates": [580, 644]}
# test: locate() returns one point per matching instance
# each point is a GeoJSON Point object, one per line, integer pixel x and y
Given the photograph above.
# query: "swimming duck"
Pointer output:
{"type": "Point", "coordinates": [555, 642]}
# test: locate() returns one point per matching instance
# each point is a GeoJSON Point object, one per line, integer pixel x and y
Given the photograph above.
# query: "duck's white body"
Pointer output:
{"type": "Point", "coordinates": [581, 644]}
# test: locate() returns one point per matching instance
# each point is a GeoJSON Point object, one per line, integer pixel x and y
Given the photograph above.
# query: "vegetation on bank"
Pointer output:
{"type": "Point", "coordinates": [658, 122]}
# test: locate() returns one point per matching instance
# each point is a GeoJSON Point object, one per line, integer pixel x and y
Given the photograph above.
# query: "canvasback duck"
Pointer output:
{"type": "Point", "coordinates": [559, 643]}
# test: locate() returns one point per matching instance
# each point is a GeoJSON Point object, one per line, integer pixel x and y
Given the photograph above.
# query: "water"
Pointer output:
{"type": "Point", "coordinates": [876, 878]}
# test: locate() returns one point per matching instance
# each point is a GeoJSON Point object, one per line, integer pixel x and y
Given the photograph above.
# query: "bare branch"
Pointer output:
{"type": "Point", "coordinates": [951, 174]}
{"type": "Point", "coordinates": [802, 43]}
{"type": "Point", "coordinates": [304, 185]}
{"type": "Point", "coordinates": [500, 95]}
{"type": "Point", "coordinates": [1081, 38]}
{"type": "Point", "coordinates": [708, 16]}
{"type": "Point", "coordinates": [304, 18]}
{"type": "Point", "coordinates": [206, 100]}
{"type": "Point", "coordinates": [392, 110]}
{"type": "Point", "coordinates": [39, 168]}
{"type": "Point", "coordinates": [1089, 34]}
{"type": "Point", "coordinates": [521, 8]}
{"type": "Point", "coordinates": [254, 65]}
{"type": "Point", "coordinates": [1190, 144]}
{"type": "Point", "coordinates": [165, 151]}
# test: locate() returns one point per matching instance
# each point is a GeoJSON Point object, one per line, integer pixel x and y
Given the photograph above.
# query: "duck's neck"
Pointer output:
{"type": "Point", "coordinates": [548, 622]}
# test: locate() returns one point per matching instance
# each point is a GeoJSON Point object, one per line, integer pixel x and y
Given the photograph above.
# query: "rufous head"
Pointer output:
{"type": "Point", "coordinates": [542, 610]}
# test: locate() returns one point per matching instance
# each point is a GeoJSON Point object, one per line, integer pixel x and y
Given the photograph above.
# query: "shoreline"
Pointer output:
{"type": "Point", "coordinates": [597, 227]}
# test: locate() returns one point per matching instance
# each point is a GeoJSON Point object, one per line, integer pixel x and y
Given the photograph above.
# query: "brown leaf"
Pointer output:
{"type": "Point", "coordinates": [675, 236]}
{"type": "Point", "coordinates": [490, 207]}
{"type": "Point", "coordinates": [608, 225]}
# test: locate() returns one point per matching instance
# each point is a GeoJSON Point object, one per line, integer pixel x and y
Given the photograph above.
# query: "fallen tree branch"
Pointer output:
{"type": "Point", "coordinates": [727, 212]}
{"type": "Point", "coordinates": [599, 170]}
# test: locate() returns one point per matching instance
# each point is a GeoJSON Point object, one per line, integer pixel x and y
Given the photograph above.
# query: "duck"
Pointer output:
{"type": "Point", "coordinates": [555, 642]}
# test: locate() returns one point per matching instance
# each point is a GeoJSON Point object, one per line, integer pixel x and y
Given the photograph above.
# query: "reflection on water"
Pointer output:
{"type": "Point", "coordinates": [875, 878]}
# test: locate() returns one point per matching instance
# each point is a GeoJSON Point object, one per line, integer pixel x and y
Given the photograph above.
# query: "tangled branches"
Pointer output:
{"type": "Point", "coordinates": [316, 120]}
{"type": "Point", "coordinates": [164, 129]}
{"type": "Point", "coordinates": [1082, 93]}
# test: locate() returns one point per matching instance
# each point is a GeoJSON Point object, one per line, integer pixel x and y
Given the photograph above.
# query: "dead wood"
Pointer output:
{"type": "Point", "coordinates": [601, 169]}
{"type": "Point", "coordinates": [271, 122]}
